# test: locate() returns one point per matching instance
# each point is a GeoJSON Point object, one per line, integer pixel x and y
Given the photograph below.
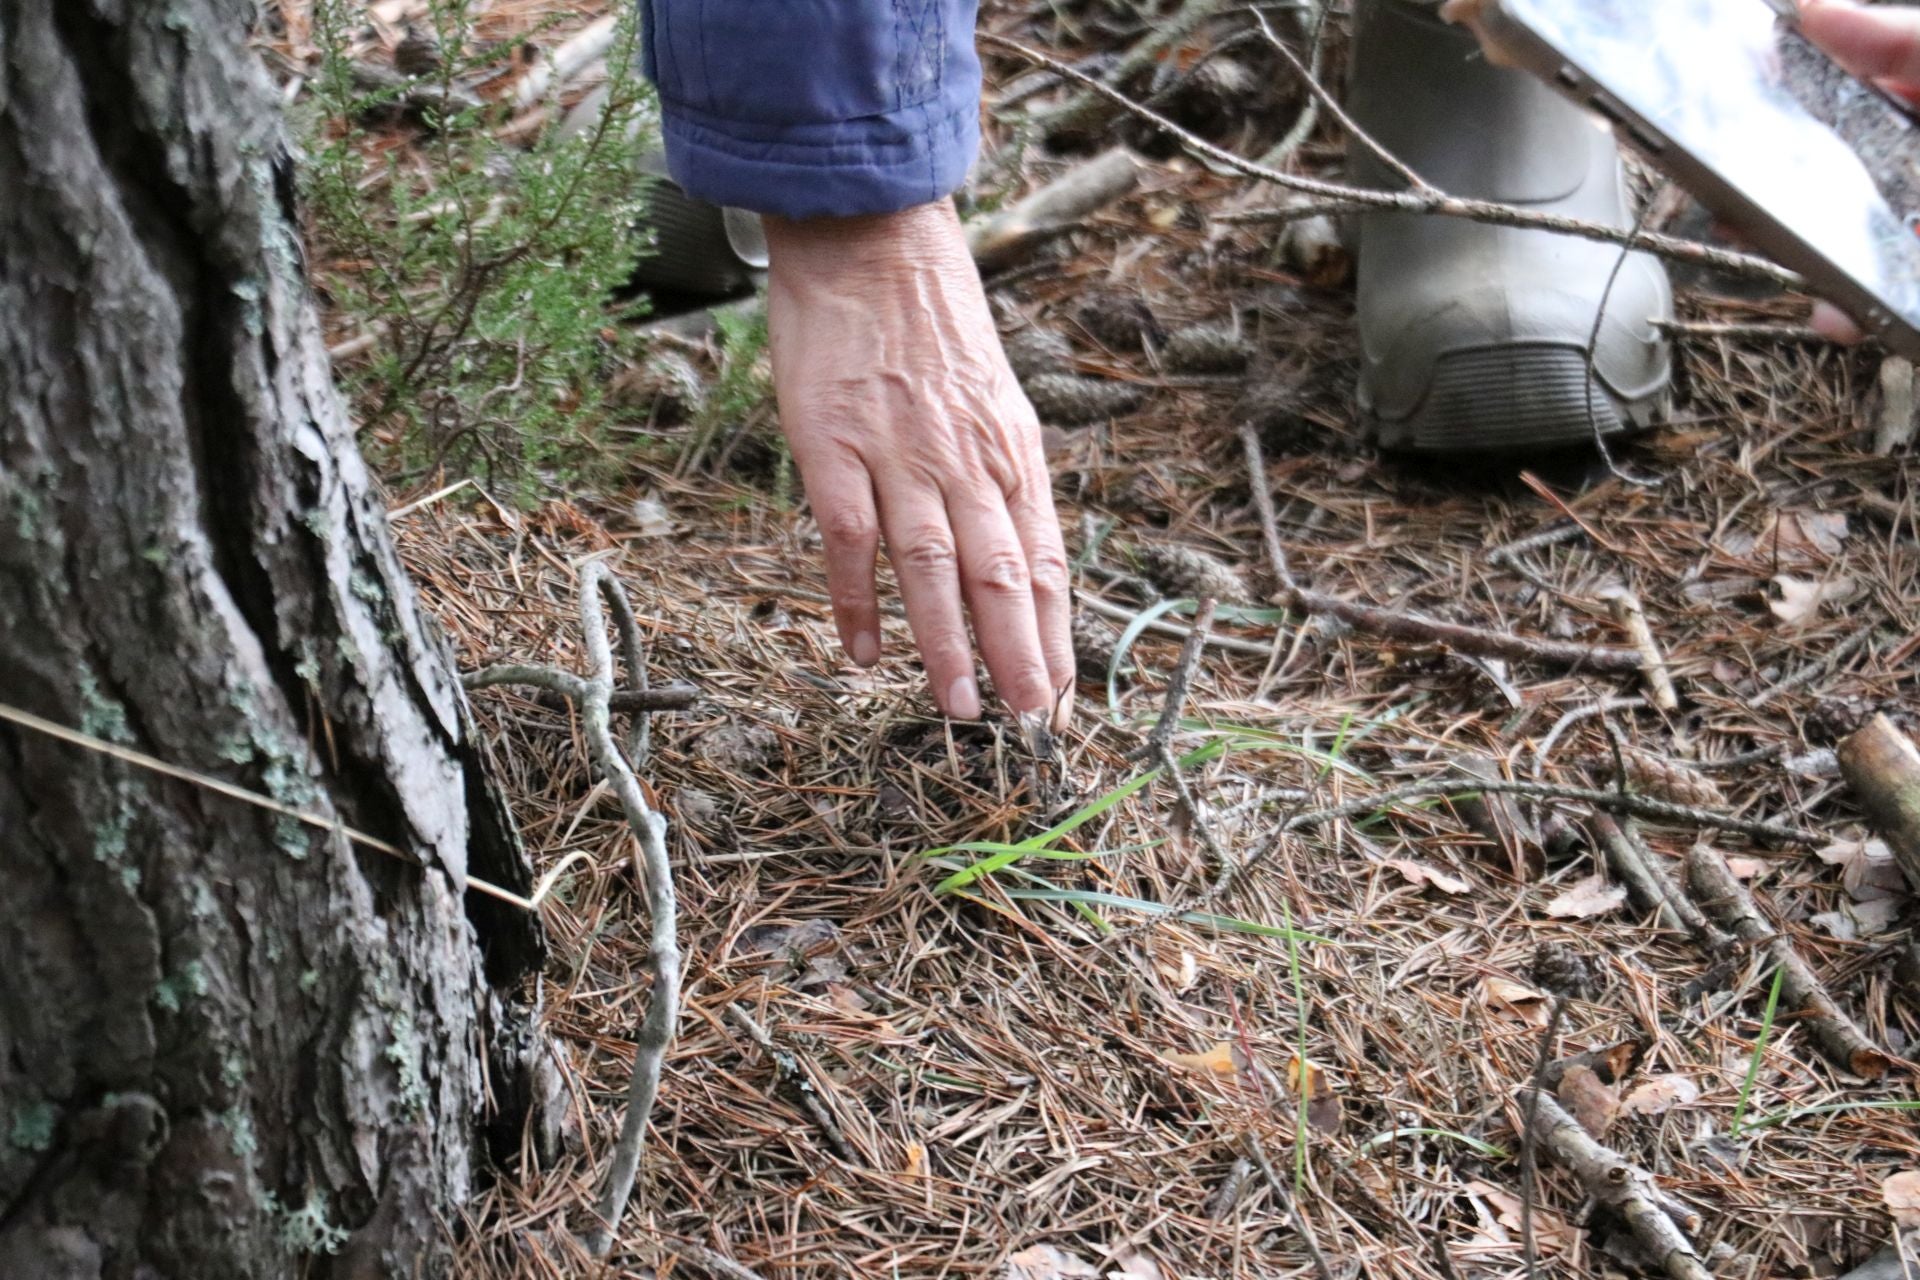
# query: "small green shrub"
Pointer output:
{"type": "Point", "coordinates": [481, 271]}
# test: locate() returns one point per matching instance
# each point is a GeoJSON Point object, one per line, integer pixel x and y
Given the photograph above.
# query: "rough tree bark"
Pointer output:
{"type": "Point", "coordinates": [230, 1045]}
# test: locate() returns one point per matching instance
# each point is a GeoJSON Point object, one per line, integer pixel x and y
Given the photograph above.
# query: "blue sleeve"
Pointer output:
{"type": "Point", "coordinates": [814, 108]}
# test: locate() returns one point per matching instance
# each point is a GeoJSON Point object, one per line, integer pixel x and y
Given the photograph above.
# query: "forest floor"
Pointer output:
{"type": "Point", "coordinates": [1039, 1071]}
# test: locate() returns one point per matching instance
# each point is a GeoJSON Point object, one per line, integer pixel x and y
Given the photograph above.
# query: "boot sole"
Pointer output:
{"type": "Point", "coordinates": [1510, 399]}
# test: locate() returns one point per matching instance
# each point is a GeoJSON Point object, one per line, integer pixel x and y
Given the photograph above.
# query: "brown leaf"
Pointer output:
{"type": "Point", "coordinates": [1549, 1231]}
{"type": "Point", "coordinates": [1516, 998]}
{"type": "Point", "coordinates": [1224, 1059]}
{"type": "Point", "coordinates": [1795, 600]}
{"type": "Point", "coordinates": [1044, 1262]}
{"type": "Point", "coordinates": [1323, 1104]}
{"type": "Point", "coordinates": [1659, 1095]}
{"type": "Point", "coordinates": [1421, 873]}
{"type": "Point", "coordinates": [1802, 535]}
{"type": "Point", "coordinates": [1901, 1191]}
{"type": "Point", "coordinates": [1592, 896]}
{"type": "Point", "coordinates": [1593, 1104]}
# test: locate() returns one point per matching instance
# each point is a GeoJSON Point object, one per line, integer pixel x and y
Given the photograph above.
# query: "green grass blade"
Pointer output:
{"type": "Point", "coordinates": [1098, 898]}
{"type": "Point", "coordinates": [1759, 1048]}
{"type": "Point", "coordinates": [1132, 632]}
{"type": "Point", "coordinates": [1833, 1108]}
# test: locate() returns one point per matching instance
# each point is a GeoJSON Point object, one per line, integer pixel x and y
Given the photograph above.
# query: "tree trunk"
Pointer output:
{"type": "Point", "coordinates": [230, 1044]}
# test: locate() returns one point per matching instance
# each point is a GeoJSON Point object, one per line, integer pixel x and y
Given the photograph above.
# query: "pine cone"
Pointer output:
{"type": "Point", "coordinates": [1669, 780]}
{"type": "Point", "coordinates": [1034, 350]}
{"type": "Point", "coordinates": [417, 54]}
{"type": "Point", "coordinates": [1119, 321]}
{"type": "Point", "coordinates": [1563, 971]}
{"type": "Point", "coordinates": [1069, 400]}
{"type": "Point", "coordinates": [1205, 349]}
{"type": "Point", "coordinates": [1184, 572]}
{"type": "Point", "coordinates": [1834, 718]}
{"type": "Point", "coordinates": [1093, 645]}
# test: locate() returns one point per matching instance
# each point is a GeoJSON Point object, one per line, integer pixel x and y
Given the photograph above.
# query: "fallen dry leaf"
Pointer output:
{"type": "Point", "coordinates": [1868, 870]}
{"type": "Point", "coordinates": [1592, 896]}
{"type": "Point", "coordinates": [1659, 1095]}
{"type": "Point", "coordinates": [1549, 1231]}
{"type": "Point", "coordinates": [1795, 600]}
{"type": "Point", "coordinates": [1518, 999]}
{"type": "Point", "coordinates": [1224, 1059]}
{"type": "Point", "coordinates": [1593, 1104]}
{"type": "Point", "coordinates": [1901, 1191]}
{"type": "Point", "coordinates": [916, 1167]}
{"type": "Point", "coordinates": [1044, 1262]}
{"type": "Point", "coordinates": [1323, 1104]}
{"type": "Point", "coordinates": [1131, 1264]}
{"type": "Point", "coordinates": [1421, 873]}
{"type": "Point", "coordinates": [1807, 535]}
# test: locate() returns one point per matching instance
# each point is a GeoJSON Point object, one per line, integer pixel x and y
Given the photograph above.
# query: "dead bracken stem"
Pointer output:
{"type": "Point", "coordinates": [593, 695]}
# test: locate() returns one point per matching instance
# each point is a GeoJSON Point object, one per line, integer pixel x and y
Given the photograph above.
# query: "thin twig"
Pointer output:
{"type": "Point", "coordinates": [787, 1070]}
{"type": "Point", "coordinates": [1549, 1036]}
{"type": "Point", "coordinates": [1828, 661]}
{"type": "Point", "coordinates": [1332, 104]}
{"type": "Point", "coordinates": [1284, 1195]}
{"type": "Point", "coordinates": [1263, 504]}
{"type": "Point", "coordinates": [1181, 680]}
{"type": "Point", "coordinates": [1440, 204]}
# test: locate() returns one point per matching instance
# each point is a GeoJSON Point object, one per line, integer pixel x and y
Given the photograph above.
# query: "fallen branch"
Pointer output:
{"type": "Point", "coordinates": [1658, 1221]}
{"type": "Point", "coordinates": [1649, 884]}
{"type": "Point", "coordinates": [1405, 625]}
{"type": "Point", "coordinates": [593, 695]}
{"type": "Point", "coordinates": [1058, 207]}
{"type": "Point", "coordinates": [1882, 767]}
{"type": "Point", "coordinates": [1436, 203]}
{"type": "Point", "coordinates": [668, 697]}
{"type": "Point", "coordinates": [1716, 889]}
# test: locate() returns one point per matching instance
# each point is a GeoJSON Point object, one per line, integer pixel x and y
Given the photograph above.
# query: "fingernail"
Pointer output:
{"type": "Point", "coordinates": [1063, 710]}
{"type": "Point", "coordinates": [963, 699]}
{"type": "Point", "coordinates": [866, 648]}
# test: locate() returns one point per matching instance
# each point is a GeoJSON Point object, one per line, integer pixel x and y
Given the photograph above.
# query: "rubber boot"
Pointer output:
{"type": "Point", "coordinates": [1473, 337]}
{"type": "Point", "coordinates": [700, 252]}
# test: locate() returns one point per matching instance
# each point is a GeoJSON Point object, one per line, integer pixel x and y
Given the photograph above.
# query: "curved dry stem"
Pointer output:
{"type": "Point", "coordinates": [593, 695]}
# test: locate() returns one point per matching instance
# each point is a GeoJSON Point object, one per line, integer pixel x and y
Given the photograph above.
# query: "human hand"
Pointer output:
{"type": "Point", "coordinates": [1881, 44]}
{"type": "Point", "coordinates": [906, 422]}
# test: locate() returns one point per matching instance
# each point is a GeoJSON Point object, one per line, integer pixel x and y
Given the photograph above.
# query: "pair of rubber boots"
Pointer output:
{"type": "Point", "coordinates": [1474, 338]}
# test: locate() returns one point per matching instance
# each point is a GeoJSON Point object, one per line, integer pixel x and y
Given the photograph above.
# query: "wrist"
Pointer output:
{"type": "Point", "coordinates": [925, 233]}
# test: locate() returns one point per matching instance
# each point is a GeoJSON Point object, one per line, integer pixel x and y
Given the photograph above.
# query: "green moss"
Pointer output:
{"type": "Point", "coordinates": [172, 993]}
{"type": "Point", "coordinates": [32, 1128]}
{"type": "Point", "coordinates": [238, 1122]}
{"type": "Point", "coordinates": [404, 1054]}
{"type": "Point", "coordinates": [100, 715]}
{"type": "Point", "coordinates": [308, 1229]}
